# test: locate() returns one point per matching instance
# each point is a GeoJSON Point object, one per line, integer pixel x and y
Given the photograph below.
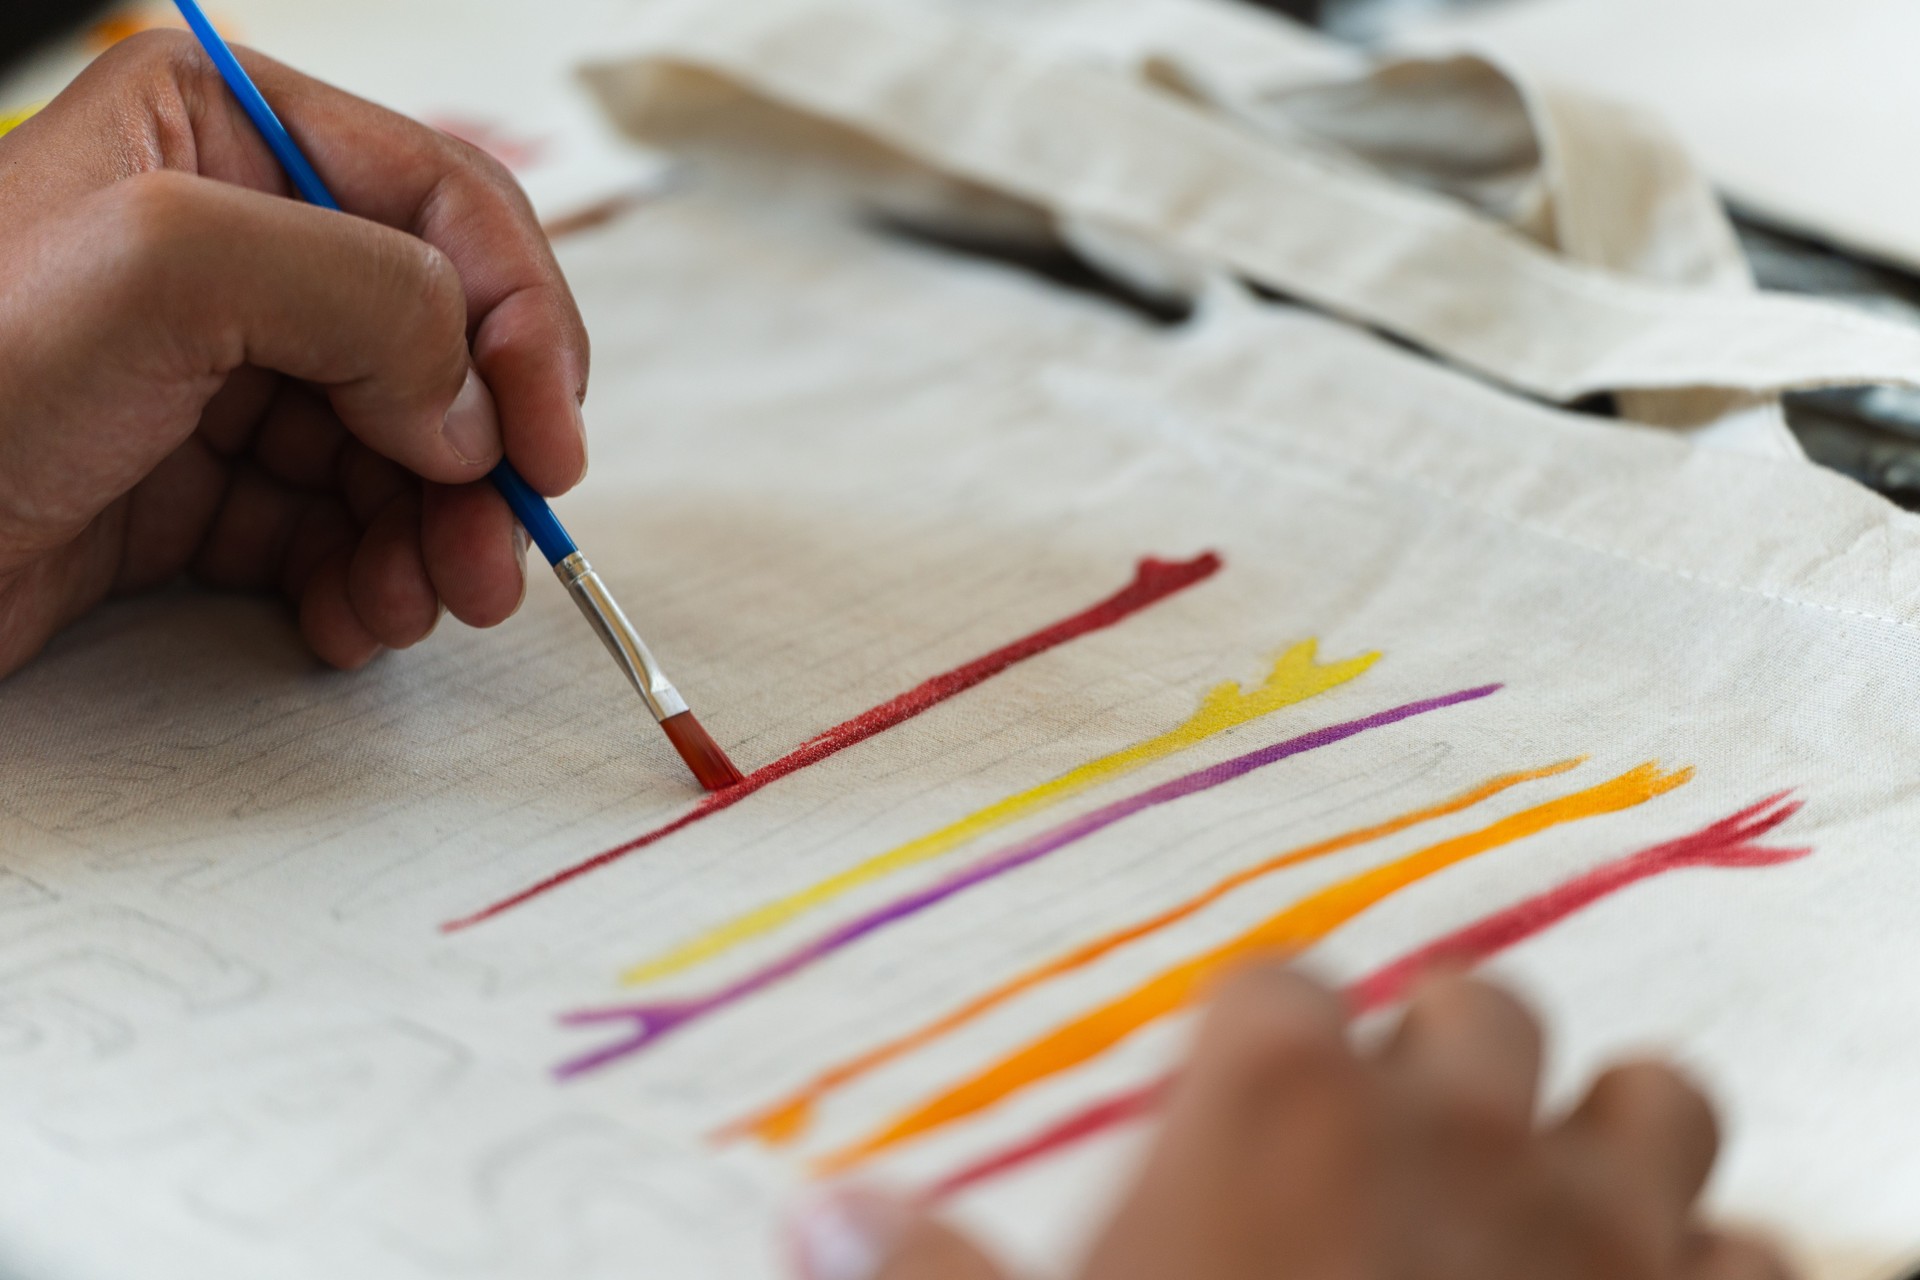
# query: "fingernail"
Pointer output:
{"type": "Point", "coordinates": [580, 424]}
{"type": "Point", "coordinates": [847, 1233]}
{"type": "Point", "coordinates": [520, 544]}
{"type": "Point", "coordinates": [472, 427]}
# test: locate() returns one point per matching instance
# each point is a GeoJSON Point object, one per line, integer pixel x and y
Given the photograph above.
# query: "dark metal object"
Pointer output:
{"type": "Point", "coordinates": [24, 24]}
{"type": "Point", "coordinates": [1304, 10]}
{"type": "Point", "coordinates": [1052, 262]}
{"type": "Point", "coordinates": [1869, 433]}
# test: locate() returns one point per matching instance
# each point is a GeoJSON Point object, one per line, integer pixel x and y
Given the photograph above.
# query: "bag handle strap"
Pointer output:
{"type": "Point", "coordinates": [1082, 141]}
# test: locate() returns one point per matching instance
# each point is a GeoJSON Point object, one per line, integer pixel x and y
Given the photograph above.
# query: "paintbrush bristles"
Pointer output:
{"type": "Point", "coordinates": [703, 755]}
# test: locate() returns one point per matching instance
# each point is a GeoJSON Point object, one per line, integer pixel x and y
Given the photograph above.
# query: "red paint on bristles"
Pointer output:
{"type": "Point", "coordinates": [703, 755]}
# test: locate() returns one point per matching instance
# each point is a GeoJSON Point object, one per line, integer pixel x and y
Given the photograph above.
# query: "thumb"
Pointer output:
{"type": "Point", "coordinates": [851, 1233]}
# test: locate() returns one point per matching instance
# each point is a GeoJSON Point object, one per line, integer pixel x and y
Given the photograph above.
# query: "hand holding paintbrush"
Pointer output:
{"type": "Point", "coordinates": [205, 376]}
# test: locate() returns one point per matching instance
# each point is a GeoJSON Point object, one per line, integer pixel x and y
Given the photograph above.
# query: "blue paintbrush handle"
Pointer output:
{"type": "Point", "coordinates": [528, 506]}
{"type": "Point", "coordinates": [702, 754]}
{"type": "Point", "coordinates": [555, 543]}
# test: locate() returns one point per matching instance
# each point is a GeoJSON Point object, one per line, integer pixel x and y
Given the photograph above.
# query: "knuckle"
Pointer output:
{"type": "Point", "coordinates": [932, 1249]}
{"type": "Point", "coordinates": [1464, 1000]}
{"type": "Point", "coordinates": [1469, 1051]}
{"type": "Point", "coordinates": [154, 220]}
{"type": "Point", "coordinates": [1772, 1264]}
{"type": "Point", "coordinates": [168, 56]}
{"type": "Point", "coordinates": [1273, 994]}
{"type": "Point", "coordinates": [1461, 1010]}
{"type": "Point", "coordinates": [165, 48]}
{"type": "Point", "coordinates": [427, 278]}
{"type": "Point", "coordinates": [467, 174]}
{"type": "Point", "coordinates": [443, 292]}
{"type": "Point", "coordinates": [1622, 1246]}
{"type": "Point", "coordinates": [1581, 1209]}
{"type": "Point", "coordinates": [1745, 1257]}
{"type": "Point", "coordinates": [1271, 1028]}
{"type": "Point", "coordinates": [1654, 1095]}
{"type": "Point", "coordinates": [1474, 1122]}
{"type": "Point", "coordinates": [481, 165]}
{"type": "Point", "coordinates": [476, 167]}
{"type": "Point", "coordinates": [155, 205]}
{"type": "Point", "coordinates": [1247, 990]}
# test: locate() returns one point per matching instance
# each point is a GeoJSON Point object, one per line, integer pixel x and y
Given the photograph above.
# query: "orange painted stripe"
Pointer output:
{"type": "Point", "coordinates": [789, 1118]}
{"type": "Point", "coordinates": [1290, 931]}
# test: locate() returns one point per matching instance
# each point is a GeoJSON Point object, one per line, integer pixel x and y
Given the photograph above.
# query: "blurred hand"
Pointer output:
{"type": "Point", "coordinates": [200, 375]}
{"type": "Point", "coordinates": [1288, 1155]}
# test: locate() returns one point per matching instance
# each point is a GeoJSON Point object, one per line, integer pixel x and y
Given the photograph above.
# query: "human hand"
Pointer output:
{"type": "Point", "coordinates": [1287, 1154]}
{"type": "Point", "coordinates": [199, 375]}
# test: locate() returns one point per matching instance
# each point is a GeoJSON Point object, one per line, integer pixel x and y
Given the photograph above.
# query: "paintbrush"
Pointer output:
{"type": "Point", "coordinates": [696, 746]}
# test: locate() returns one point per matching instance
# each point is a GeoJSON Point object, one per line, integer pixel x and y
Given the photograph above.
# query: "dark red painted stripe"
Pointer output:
{"type": "Point", "coordinates": [1153, 581]}
{"type": "Point", "coordinates": [1727, 843]}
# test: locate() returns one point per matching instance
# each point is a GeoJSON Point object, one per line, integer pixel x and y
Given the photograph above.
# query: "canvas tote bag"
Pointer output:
{"type": "Point", "coordinates": [1080, 657]}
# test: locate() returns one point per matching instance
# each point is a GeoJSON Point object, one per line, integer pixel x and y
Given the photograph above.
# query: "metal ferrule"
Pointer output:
{"type": "Point", "coordinates": [615, 632]}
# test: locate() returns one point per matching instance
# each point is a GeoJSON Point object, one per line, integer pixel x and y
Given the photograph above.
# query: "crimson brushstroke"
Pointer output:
{"type": "Point", "coordinates": [1153, 581]}
{"type": "Point", "coordinates": [1726, 843]}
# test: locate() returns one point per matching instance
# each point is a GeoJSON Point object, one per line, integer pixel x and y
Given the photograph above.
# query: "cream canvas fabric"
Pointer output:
{"type": "Point", "coordinates": [1350, 239]}
{"type": "Point", "coordinates": [395, 976]}
{"type": "Point", "coordinates": [1804, 112]}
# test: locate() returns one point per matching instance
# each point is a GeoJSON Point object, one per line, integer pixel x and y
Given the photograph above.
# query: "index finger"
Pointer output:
{"type": "Point", "coordinates": [1654, 1134]}
{"type": "Point", "coordinates": [528, 340]}
{"type": "Point", "coordinates": [1471, 1049]}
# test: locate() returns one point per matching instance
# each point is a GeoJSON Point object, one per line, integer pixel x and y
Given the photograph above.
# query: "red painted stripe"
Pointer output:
{"type": "Point", "coordinates": [1153, 581]}
{"type": "Point", "coordinates": [1726, 843]}
{"type": "Point", "coordinates": [1120, 1109]}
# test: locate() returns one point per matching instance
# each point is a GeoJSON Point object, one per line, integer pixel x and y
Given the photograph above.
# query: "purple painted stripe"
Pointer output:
{"type": "Point", "coordinates": [651, 1022]}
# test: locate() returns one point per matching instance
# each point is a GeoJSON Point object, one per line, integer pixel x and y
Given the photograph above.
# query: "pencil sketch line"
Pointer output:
{"type": "Point", "coordinates": [1153, 581]}
{"type": "Point", "coordinates": [653, 1021]}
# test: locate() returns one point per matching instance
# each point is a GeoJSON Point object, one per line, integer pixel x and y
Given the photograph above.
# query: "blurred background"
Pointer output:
{"type": "Point", "coordinates": [1363, 19]}
{"type": "Point", "coordinates": [1872, 435]}
{"type": "Point", "coordinates": [1813, 218]}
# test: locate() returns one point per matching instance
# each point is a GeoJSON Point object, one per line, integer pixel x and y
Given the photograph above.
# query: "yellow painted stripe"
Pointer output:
{"type": "Point", "coordinates": [1296, 676]}
{"type": "Point", "coordinates": [11, 120]}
